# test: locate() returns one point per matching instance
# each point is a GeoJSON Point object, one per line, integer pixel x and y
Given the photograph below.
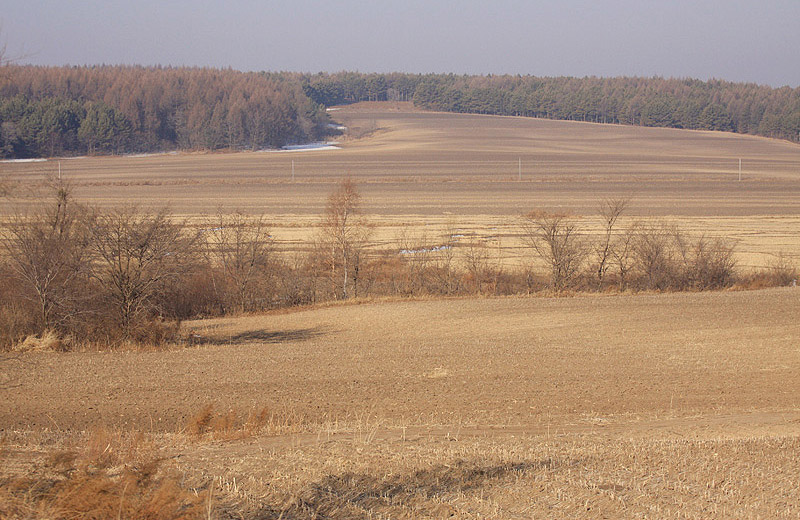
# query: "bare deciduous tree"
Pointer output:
{"type": "Point", "coordinates": [622, 253]}
{"type": "Point", "coordinates": [609, 211]}
{"type": "Point", "coordinates": [554, 238]}
{"type": "Point", "coordinates": [136, 253]}
{"type": "Point", "coordinates": [344, 237]}
{"type": "Point", "coordinates": [241, 247]}
{"type": "Point", "coordinates": [47, 253]}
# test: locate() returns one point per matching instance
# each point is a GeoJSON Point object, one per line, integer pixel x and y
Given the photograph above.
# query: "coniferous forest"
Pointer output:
{"type": "Point", "coordinates": [49, 111]}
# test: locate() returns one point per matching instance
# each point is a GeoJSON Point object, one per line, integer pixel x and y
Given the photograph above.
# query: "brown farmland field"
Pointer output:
{"type": "Point", "coordinates": [676, 405]}
{"type": "Point", "coordinates": [681, 405]}
{"type": "Point", "coordinates": [431, 170]}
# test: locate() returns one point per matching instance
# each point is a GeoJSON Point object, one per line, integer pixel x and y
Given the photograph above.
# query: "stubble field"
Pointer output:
{"type": "Point", "coordinates": [428, 172]}
{"type": "Point", "coordinates": [677, 405]}
{"type": "Point", "coordinates": [645, 406]}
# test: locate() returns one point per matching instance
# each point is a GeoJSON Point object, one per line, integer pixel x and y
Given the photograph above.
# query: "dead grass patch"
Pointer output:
{"type": "Point", "coordinates": [210, 424]}
{"type": "Point", "coordinates": [114, 474]}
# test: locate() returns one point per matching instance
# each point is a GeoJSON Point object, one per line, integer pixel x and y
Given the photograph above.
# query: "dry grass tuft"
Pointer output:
{"type": "Point", "coordinates": [47, 341]}
{"type": "Point", "coordinates": [115, 475]}
{"type": "Point", "coordinates": [207, 423]}
{"type": "Point", "coordinates": [199, 423]}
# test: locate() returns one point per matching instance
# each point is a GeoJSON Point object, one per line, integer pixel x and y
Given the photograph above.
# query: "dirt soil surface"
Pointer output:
{"type": "Point", "coordinates": [524, 363]}
{"type": "Point", "coordinates": [411, 162]}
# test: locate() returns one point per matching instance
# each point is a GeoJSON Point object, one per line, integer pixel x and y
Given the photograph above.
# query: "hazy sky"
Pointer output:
{"type": "Point", "coordinates": [739, 40]}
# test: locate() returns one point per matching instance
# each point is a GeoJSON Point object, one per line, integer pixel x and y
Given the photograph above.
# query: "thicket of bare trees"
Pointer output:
{"type": "Point", "coordinates": [89, 277]}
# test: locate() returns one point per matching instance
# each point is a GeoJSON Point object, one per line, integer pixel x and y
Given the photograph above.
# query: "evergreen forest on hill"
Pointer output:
{"type": "Point", "coordinates": [53, 111]}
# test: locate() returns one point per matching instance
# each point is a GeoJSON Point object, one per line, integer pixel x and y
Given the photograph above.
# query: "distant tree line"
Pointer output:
{"type": "Point", "coordinates": [46, 111]}
{"type": "Point", "coordinates": [677, 103]}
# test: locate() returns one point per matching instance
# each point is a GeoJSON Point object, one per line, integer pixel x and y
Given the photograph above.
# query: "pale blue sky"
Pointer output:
{"type": "Point", "coordinates": [757, 41]}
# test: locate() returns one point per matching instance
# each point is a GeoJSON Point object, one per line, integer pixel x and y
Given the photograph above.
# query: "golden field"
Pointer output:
{"type": "Point", "coordinates": [681, 405]}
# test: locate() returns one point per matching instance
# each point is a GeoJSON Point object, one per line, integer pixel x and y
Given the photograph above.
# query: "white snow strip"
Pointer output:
{"type": "Point", "coordinates": [310, 147]}
{"type": "Point", "coordinates": [154, 154]}
{"type": "Point", "coordinates": [428, 250]}
{"type": "Point", "coordinates": [22, 160]}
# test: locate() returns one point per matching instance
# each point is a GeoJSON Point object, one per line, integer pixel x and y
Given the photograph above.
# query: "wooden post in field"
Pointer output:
{"type": "Point", "coordinates": [740, 170]}
{"type": "Point", "coordinates": [59, 170]}
{"type": "Point", "coordinates": [292, 170]}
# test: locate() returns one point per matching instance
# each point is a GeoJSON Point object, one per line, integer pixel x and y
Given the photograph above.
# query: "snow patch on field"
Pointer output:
{"type": "Point", "coordinates": [309, 147]}
{"type": "Point", "coordinates": [424, 250]}
{"type": "Point", "coordinates": [154, 154]}
{"type": "Point", "coordinates": [22, 160]}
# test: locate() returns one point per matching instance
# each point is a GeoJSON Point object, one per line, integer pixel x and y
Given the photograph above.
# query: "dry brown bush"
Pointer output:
{"type": "Point", "coordinates": [115, 475]}
{"type": "Point", "coordinates": [665, 258]}
{"type": "Point", "coordinates": [711, 264]}
{"type": "Point", "coordinates": [232, 424]}
{"type": "Point", "coordinates": [655, 257]}
{"type": "Point", "coordinates": [781, 272]}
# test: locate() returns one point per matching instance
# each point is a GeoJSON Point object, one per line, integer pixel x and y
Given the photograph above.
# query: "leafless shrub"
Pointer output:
{"type": "Point", "coordinates": [712, 264]}
{"type": "Point", "coordinates": [296, 281]}
{"type": "Point", "coordinates": [443, 270]}
{"type": "Point", "coordinates": [782, 271]}
{"type": "Point", "coordinates": [779, 272]}
{"type": "Point", "coordinates": [555, 240]}
{"type": "Point", "coordinates": [655, 256]}
{"type": "Point", "coordinates": [667, 258]}
{"type": "Point", "coordinates": [416, 255]}
{"type": "Point", "coordinates": [622, 254]}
